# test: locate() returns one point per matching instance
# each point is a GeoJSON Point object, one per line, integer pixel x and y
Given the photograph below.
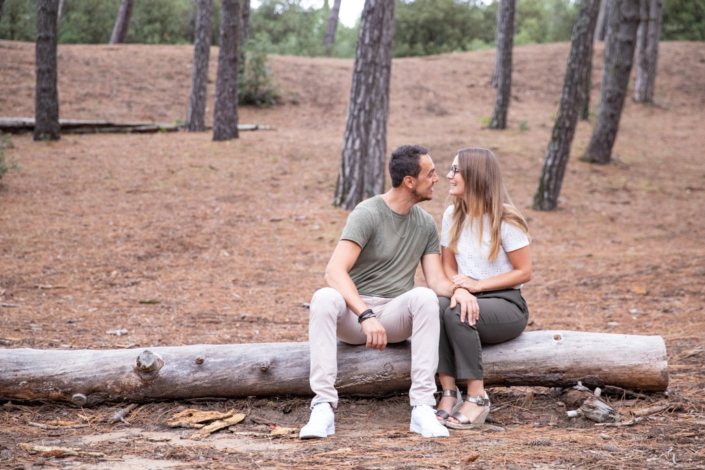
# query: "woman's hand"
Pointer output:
{"type": "Point", "coordinates": [470, 284]}
{"type": "Point", "coordinates": [468, 306]}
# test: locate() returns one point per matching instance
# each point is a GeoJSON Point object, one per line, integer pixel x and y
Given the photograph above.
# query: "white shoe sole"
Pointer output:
{"type": "Point", "coordinates": [440, 433]}
{"type": "Point", "coordinates": [313, 435]}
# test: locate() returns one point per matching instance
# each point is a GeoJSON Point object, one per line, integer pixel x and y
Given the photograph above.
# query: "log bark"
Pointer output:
{"type": "Point", "coordinates": [619, 56]}
{"type": "Point", "coordinates": [361, 171]}
{"type": "Point", "coordinates": [122, 22]}
{"type": "Point", "coordinates": [329, 37]}
{"type": "Point", "coordinates": [505, 44]}
{"type": "Point", "coordinates": [46, 99]}
{"type": "Point", "coordinates": [539, 358]}
{"type": "Point", "coordinates": [79, 126]}
{"type": "Point", "coordinates": [601, 27]}
{"type": "Point", "coordinates": [196, 118]}
{"type": "Point", "coordinates": [558, 152]}
{"type": "Point", "coordinates": [225, 113]}
{"type": "Point", "coordinates": [647, 50]}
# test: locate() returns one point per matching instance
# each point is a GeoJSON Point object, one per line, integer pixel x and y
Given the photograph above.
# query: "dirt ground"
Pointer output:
{"type": "Point", "coordinates": [233, 237]}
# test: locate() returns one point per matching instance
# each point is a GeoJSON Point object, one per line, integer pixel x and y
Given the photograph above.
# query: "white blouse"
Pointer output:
{"type": "Point", "coordinates": [472, 258]}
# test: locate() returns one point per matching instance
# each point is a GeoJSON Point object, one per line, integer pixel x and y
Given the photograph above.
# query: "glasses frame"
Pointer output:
{"type": "Point", "coordinates": [454, 169]}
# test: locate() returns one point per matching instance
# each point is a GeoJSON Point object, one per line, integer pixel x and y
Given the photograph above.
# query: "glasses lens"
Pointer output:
{"type": "Point", "coordinates": [454, 169]}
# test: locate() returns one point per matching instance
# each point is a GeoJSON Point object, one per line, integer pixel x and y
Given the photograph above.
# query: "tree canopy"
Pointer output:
{"type": "Point", "coordinates": [422, 27]}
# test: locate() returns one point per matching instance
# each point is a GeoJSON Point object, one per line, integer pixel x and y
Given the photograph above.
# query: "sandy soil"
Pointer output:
{"type": "Point", "coordinates": [233, 237]}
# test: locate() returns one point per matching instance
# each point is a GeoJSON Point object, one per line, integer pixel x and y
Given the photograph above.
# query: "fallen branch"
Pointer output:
{"type": "Point", "coordinates": [217, 426]}
{"type": "Point", "coordinates": [196, 418]}
{"type": "Point", "coordinates": [80, 126]}
{"type": "Point", "coordinates": [538, 358]}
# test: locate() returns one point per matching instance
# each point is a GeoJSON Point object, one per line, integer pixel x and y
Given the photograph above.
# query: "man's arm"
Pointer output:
{"type": "Point", "coordinates": [443, 287]}
{"type": "Point", "coordinates": [337, 277]}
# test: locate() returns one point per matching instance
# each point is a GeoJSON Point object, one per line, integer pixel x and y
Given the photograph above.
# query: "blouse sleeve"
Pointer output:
{"type": "Point", "coordinates": [445, 226]}
{"type": "Point", "coordinates": [513, 238]}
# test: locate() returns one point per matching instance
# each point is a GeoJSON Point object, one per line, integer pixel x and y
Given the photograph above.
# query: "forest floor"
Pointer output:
{"type": "Point", "coordinates": [233, 238]}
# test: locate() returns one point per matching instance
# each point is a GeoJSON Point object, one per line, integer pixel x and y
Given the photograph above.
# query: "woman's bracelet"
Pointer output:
{"type": "Point", "coordinates": [460, 287]}
{"type": "Point", "coordinates": [366, 315]}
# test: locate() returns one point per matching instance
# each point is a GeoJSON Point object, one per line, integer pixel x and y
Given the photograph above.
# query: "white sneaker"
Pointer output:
{"type": "Point", "coordinates": [321, 423]}
{"type": "Point", "coordinates": [424, 422]}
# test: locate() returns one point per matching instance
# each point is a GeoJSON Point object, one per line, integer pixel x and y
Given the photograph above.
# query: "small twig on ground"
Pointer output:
{"type": "Point", "coordinates": [60, 426]}
{"type": "Point", "coordinates": [649, 411]}
{"type": "Point", "coordinates": [258, 420]}
{"type": "Point", "coordinates": [619, 425]}
{"type": "Point", "coordinates": [120, 414]}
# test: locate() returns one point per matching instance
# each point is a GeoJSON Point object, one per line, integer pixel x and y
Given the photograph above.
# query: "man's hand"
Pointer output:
{"type": "Point", "coordinates": [376, 334]}
{"type": "Point", "coordinates": [468, 306]}
{"type": "Point", "coordinates": [462, 280]}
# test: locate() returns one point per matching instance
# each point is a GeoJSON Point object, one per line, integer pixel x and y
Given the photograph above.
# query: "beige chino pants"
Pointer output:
{"type": "Point", "coordinates": [413, 314]}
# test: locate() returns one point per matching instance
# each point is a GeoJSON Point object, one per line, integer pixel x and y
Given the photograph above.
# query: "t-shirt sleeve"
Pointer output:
{"type": "Point", "coordinates": [432, 247]}
{"type": "Point", "coordinates": [445, 226]}
{"type": "Point", "coordinates": [513, 238]}
{"type": "Point", "coordinates": [359, 227]}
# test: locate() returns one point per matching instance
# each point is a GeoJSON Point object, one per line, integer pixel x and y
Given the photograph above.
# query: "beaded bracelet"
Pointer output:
{"type": "Point", "coordinates": [367, 314]}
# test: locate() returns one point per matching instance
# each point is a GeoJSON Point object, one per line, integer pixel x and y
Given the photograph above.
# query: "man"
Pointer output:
{"type": "Point", "coordinates": [371, 299]}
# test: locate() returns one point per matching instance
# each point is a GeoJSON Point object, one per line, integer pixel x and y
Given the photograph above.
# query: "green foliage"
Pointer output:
{"type": "Point", "coordinates": [683, 20]}
{"type": "Point", "coordinates": [542, 21]}
{"type": "Point", "coordinates": [287, 27]}
{"type": "Point", "coordinates": [424, 27]}
{"type": "Point", "coordinates": [6, 143]}
{"type": "Point", "coordinates": [19, 20]}
{"type": "Point", "coordinates": [255, 79]}
{"type": "Point", "coordinates": [523, 126]}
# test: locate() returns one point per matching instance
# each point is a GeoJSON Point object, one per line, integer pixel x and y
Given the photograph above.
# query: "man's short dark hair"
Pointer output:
{"type": "Point", "coordinates": [405, 162]}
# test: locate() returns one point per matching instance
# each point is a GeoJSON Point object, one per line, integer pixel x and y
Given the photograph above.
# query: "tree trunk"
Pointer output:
{"type": "Point", "coordinates": [225, 113]}
{"type": "Point", "coordinates": [556, 159]}
{"type": "Point", "coordinates": [2, 6]}
{"type": "Point", "coordinates": [497, 35]}
{"type": "Point", "coordinates": [505, 43]}
{"type": "Point", "coordinates": [329, 38]}
{"type": "Point", "coordinates": [46, 102]}
{"type": "Point", "coordinates": [361, 171]}
{"type": "Point", "coordinates": [647, 50]}
{"type": "Point", "coordinates": [195, 122]}
{"type": "Point", "coordinates": [61, 9]}
{"type": "Point", "coordinates": [122, 23]}
{"type": "Point", "coordinates": [601, 27]}
{"type": "Point", "coordinates": [586, 85]}
{"type": "Point", "coordinates": [619, 56]}
{"type": "Point", "coordinates": [245, 24]}
{"type": "Point", "coordinates": [538, 358]}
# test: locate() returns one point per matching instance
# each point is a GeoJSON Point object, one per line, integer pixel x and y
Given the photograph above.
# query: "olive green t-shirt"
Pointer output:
{"type": "Point", "coordinates": [392, 246]}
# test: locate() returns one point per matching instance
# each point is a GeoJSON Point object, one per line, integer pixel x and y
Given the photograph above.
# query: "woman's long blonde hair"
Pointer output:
{"type": "Point", "coordinates": [484, 194]}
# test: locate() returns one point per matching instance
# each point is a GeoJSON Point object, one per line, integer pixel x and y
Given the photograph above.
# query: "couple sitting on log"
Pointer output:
{"type": "Point", "coordinates": [474, 280]}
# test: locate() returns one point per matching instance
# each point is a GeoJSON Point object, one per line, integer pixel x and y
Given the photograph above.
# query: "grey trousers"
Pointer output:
{"type": "Point", "coordinates": [503, 316]}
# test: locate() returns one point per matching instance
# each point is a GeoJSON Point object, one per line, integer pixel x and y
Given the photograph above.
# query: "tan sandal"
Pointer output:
{"type": "Point", "coordinates": [464, 421]}
{"type": "Point", "coordinates": [450, 393]}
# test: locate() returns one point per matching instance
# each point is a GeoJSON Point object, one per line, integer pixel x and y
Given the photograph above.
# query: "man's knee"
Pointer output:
{"type": "Point", "coordinates": [326, 300]}
{"type": "Point", "coordinates": [426, 300]}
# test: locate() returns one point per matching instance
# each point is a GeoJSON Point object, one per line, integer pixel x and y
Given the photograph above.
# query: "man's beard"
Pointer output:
{"type": "Point", "coordinates": [420, 197]}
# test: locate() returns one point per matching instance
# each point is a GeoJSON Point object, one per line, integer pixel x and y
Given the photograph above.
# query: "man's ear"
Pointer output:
{"type": "Point", "coordinates": [409, 182]}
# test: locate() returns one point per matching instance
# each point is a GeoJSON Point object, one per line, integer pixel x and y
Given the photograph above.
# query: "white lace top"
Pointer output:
{"type": "Point", "coordinates": [472, 258]}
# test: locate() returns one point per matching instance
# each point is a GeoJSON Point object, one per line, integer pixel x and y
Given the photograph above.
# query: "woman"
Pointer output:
{"type": "Point", "coordinates": [485, 250]}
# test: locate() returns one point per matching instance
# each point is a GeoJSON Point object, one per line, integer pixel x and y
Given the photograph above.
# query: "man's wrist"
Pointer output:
{"type": "Point", "coordinates": [366, 315]}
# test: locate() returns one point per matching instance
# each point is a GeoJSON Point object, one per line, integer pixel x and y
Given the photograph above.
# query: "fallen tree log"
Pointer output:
{"type": "Point", "coordinates": [539, 358]}
{"type": "Point", "coordinates": [80, 126]}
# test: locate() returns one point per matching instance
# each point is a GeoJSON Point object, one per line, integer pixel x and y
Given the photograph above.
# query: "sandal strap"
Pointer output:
{"type": "Point", "coordinates": [449, 393]}
{"type": "Point", "coordinates": [462, 419]}
{"type": "Point", "coordinates": [479, 401]}
{"type": "Point", "coordinates": [443, 414]}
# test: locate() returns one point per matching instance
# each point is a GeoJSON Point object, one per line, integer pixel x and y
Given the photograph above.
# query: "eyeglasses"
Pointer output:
{"type": "Point", "coordinates": [453, 170]}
